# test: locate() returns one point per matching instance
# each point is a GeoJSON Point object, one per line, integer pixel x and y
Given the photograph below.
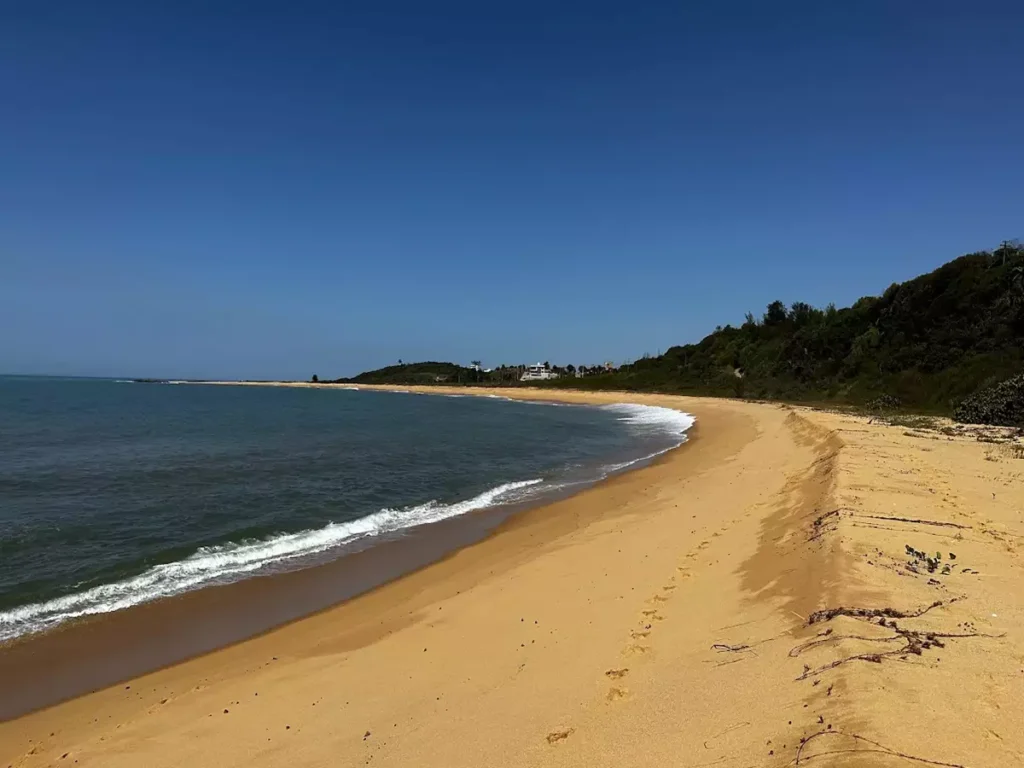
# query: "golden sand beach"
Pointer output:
{"type": "Point", "coordinates": [791, 587]}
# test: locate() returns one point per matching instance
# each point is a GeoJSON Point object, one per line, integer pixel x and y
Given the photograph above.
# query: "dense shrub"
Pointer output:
{"type": "Point", "coordinates": [883, 403]}
{"type": "Point", "coordinates": [1001, 405]}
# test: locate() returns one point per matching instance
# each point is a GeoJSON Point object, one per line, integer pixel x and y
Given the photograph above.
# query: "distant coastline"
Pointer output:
{"type": "Point", "coordinates": [946, 343]}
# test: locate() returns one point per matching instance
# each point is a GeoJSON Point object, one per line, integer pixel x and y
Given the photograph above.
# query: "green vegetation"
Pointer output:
{"type": "Point", "coordinates": [925, 345]}
{"type": "Point", "coordinates": [420, 373]}
{"type": "Point", "coordinates": [1002, 404]}
{"type": "Point", "coordinates": [911, 421]}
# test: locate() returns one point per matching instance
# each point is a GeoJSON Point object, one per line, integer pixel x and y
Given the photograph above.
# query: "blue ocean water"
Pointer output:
{"type": "Point", "coordinates": [115, 493]}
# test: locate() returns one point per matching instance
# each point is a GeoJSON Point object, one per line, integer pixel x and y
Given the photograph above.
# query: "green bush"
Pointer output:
{"type": "Point", "coordinates": [1001, 405]}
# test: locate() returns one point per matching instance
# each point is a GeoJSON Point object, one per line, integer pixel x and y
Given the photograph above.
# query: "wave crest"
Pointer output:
{"type": "Point", "coordinates": [653, 416]}
{"type": "Point", "coordinates": [225, 563]}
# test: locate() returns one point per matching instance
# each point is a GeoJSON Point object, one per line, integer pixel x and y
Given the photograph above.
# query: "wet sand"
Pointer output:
{"type": "Point", "coordinates": [83, 656]}
{"type": "Point", "coordinates": [681, 614]}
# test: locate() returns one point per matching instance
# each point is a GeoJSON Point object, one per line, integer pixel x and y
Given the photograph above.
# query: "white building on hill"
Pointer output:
{"type": "Point", "coordinates": [538, 373]}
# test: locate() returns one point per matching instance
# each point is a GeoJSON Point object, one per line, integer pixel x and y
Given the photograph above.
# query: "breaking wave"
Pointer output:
{"type": "Point", "coordinates": [229, 562]}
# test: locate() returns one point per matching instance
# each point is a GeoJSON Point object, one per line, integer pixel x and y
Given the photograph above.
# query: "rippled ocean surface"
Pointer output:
{"type": "Point", "coordinates": [113, 493]}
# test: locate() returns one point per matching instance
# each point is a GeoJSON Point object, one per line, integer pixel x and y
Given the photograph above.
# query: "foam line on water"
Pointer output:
{"type": "Point", "coordinates": [610, 468]}
{"type": "Point", "coordinates": [227, 562]}
{"type": "Point", "coordinates": [653, 417]}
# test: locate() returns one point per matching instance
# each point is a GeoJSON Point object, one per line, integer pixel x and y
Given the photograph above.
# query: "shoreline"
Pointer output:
{"type": "Point", "coordinates": [693, 607]}
{"type": "Point", "coordinates": [80, 656]}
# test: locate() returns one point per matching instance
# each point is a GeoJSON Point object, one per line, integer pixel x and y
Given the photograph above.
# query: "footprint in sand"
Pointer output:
{"type": "Point", "coordinates": [616, 674]}
{"type": "Point", "coordinates": [658, 599]}
{"type": "Point", "coordinates": [614, 694]}
{"type": "Point", "coordinates": [653, 614]}
{"type": "Point", "coordinates": [668, 587]}
{"type": "Point", "coordinates": [638, 634]}
{"type": "Point", "coordinates": [635, 649]}
{"type": "Point", "coordinates": [560, 735]}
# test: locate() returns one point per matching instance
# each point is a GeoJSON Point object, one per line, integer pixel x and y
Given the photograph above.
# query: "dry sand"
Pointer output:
{"type": "Point", "coordinates": [663, 618]}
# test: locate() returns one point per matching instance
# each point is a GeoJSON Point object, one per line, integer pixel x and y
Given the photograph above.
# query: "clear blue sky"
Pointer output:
{"type": "Point", "coordinates": [253, 189]}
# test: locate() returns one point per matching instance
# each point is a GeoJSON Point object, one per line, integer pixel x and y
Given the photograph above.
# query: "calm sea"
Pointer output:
{"type": "Point", "coordinates": [115, 493]}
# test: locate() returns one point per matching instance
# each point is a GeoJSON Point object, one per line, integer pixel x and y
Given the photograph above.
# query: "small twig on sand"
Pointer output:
{"type": "Point", "coordinates": [901, 634]}
{"type": "Point", "coordinates": [831, 638]}
{"type": "Point", "coordinates": [878, 748]}
{"type": "Point", "coordinates": [748, 647]}
{"type": "Point", "coordinates": [730, 661]}
{"type": "Point", "coordinates": [916, 522]}
{"type": "Point", "coordinates": [875, 658]}
{"type": "Point", "coordinates": [827, 614]}
{"type": "Point", "coordinates": [914, 643]}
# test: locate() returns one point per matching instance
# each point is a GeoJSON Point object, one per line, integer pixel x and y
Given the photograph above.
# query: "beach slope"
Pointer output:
{"type": "Point", "coordinates": [789, 588]}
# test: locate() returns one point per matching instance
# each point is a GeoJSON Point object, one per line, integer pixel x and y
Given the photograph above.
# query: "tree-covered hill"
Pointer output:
{"type": "Point", "coordinates": [929, 342]}
{"type": "Point", "coordinates": [414, 373]}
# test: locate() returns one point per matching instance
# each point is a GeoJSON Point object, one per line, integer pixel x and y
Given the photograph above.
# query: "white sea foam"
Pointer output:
{"type": "Point", "coordinates": [651, 418]}
{"type": "Point", "coordinates": [610, 468]}
{"type": "Point", "coordinates": [527, 402]}
{"type": "Point", "coordinates": [228, 562]}
{"type": "Point", "coordinates": [654, 417]}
